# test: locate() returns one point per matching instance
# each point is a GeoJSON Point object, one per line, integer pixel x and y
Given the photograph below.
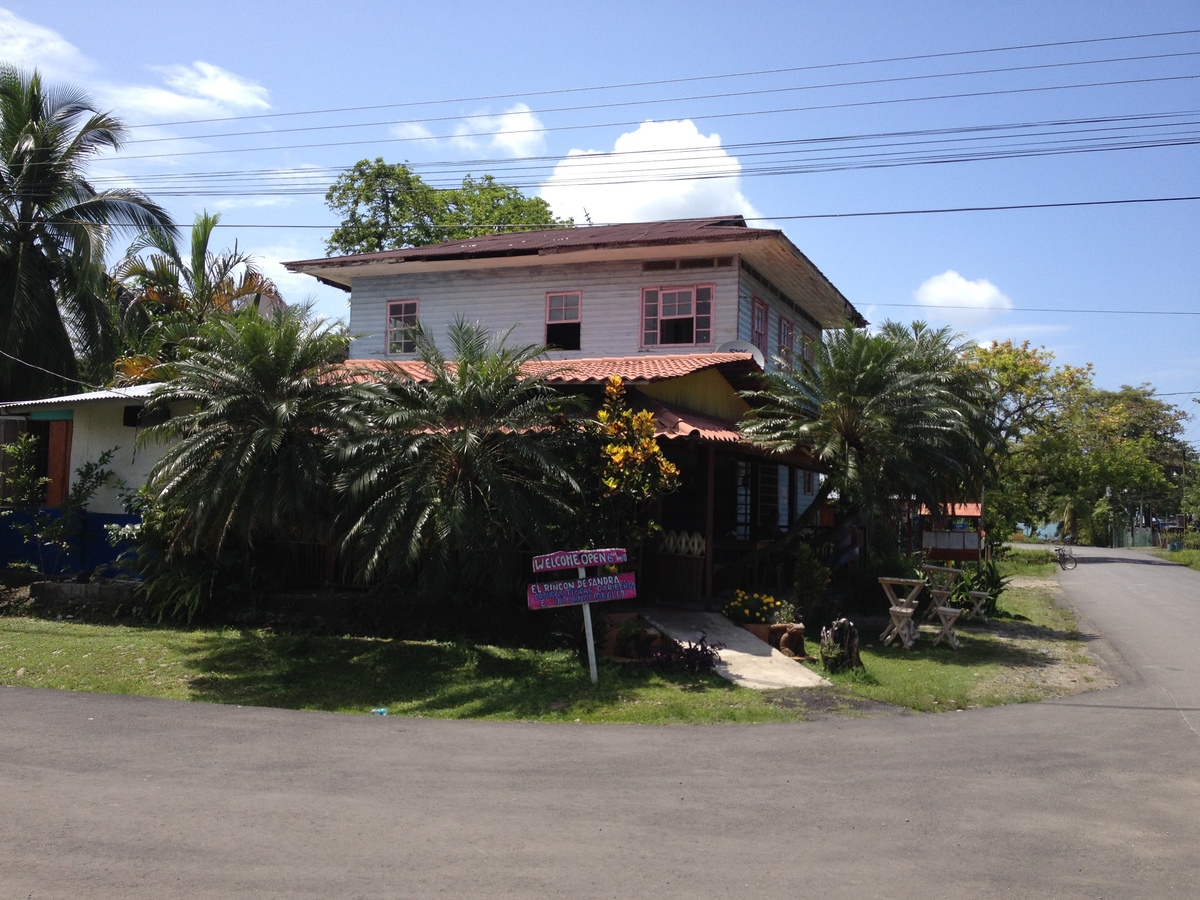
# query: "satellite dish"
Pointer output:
{"type": "Point", "coordinates": [744, 347]}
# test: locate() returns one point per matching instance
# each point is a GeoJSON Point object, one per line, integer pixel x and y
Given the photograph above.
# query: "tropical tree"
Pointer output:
{"type": "Point", "coordinates": [387, 206]}
{"type": "Point", "coordinates": [459, 460]}
{"type": "Point", "coordinates": [255, 411]}
{"type": "Point", "coordinates": [54, 229]}
{"type": "Point", "coordinates": [894, 417]}
{"type": "Point", "coordinates": [162, 297]}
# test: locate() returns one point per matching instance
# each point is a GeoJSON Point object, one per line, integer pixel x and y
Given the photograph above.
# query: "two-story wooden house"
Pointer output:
{"type": "Point", "coordinates": [686, 311]}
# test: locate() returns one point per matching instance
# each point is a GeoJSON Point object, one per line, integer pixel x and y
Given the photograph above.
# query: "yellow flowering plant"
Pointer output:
{"type": "Point", "coordinates": [761, 609]}
{"type": "Point", "coordinates": [631, 468]}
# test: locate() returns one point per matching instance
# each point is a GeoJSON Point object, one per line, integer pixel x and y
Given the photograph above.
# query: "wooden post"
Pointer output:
{"type": "Point", "coordinates": [587, 630]}
{"type": "Point", "coordinates": [710, 494]}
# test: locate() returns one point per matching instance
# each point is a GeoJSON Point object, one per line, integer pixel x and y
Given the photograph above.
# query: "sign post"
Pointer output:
{"type": "Point", "coordinates": [583, 590]}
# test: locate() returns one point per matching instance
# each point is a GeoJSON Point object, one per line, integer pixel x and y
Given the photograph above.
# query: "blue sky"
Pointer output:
{"type": "Point", "coordinates": [807, 115]}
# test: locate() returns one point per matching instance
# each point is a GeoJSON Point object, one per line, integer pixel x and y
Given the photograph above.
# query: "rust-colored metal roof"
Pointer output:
{"type": "Point", "coordinates": [550, 240]}
{"type": "Point", "coordinates": [634, 369]}
{"type": "Point", "coordinates": [969, 510]}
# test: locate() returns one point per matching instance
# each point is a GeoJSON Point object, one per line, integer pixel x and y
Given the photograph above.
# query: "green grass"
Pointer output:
{"type": "Point", "coordinates": [1009, 660]}
{"type": "Point", "coordinates": [355, 675]}
{"type": "Point", "coordinates": [1017, 658]}
{"type": "Point", "coordinates": [1189, 558]}
{"type": "Point", "coordinates": [1024, 560]}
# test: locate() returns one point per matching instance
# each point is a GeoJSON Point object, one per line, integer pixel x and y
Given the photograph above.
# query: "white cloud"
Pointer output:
{"type": "Point", "coordinates": [515, 132]}
{"type": "Point", "coordinates": [215, 84]}
{"type": "Point", "coordinates": [196, 91]}
{"type": "Point", "coordinates": [413, 131]}
{"type": "Point", "coordinates": [663, 170]}
{"type": "Point", "coordinates": [29, 46]}
{"type": "Point", "coordinates": [952, 290]}
{"type": "Point", "coordinates": [200, 90]}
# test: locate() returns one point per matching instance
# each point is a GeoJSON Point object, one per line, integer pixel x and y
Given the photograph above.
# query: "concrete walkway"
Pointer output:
{"type": "Point", "coordinates": [745, 660]}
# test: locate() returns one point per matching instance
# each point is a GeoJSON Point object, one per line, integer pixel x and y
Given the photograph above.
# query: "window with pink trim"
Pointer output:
{"type": "Point", "coordinates": [677, 316]}
{"type": "Point", "coordinates": [563, 320]}
{"type": "Point", "coordinates": [758, 325]}
{"type": "Point", "coordinates": [401, 320]}
{"type": "Point", "coordinates": [787, 340]}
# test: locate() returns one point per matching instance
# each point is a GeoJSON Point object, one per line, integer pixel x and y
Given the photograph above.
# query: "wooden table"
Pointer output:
{"type": "Point", "coordinates": [901, 611]}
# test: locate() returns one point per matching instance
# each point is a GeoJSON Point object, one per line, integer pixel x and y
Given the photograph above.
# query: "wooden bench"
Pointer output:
{"type": "Point", "coordinates": [947, 615]}
{"type": "Point", "coordinates": [901, 610]}
{"type": "Point", "coordinates": [979, 602]}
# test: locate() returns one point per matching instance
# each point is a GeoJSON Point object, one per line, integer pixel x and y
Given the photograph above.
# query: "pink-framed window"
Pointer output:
{"type": "Point", "coordinates": [787, 340]}
{"type": "Point", "coordinates": [806, 347]}
{"type": "Point", "coordinates": [401, 320]}
{"type": "Point", "coordinates": [677, 316]}
{"type": "Point", "coordinates": [563, 319]}
{"type": "Point", "coordinates": [758, 325]}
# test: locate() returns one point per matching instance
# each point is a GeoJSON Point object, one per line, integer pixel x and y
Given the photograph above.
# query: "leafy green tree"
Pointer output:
{"type": "Point", "coordinates": [162, 297]}
{"type": "Point", "coordinates": [1029, 394]}
{"type": "Point", "coordinates": [1074, 453]}
{"type": "Point", "coordinates": [893, 416]}
{"type": "Point", "coordinates": [53, 231]}
{"type": "Point", "coordinates": [387, 206]}
{"type": "Point", "coordinates": [452, 470]}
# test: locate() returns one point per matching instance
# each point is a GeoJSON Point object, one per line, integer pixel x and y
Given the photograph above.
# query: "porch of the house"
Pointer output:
{"type": "Point", "coordinates": [726, 527]}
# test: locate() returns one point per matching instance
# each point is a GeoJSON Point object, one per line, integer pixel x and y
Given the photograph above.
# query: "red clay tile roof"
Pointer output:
{"type": "Point", "coordinates": [673, 424]}
{"type": "Point", "coordinates": [634, 369]}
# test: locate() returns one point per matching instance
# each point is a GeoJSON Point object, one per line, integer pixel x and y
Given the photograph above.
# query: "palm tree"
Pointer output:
{"type": "Point", "coordinates": [170, 298]}
{"type": "Point", "coordinates": [456, 464]}
{"type": "Point", "coordinates": [54, 227]}
{"type": "Point", "coordinates": [262, 401]}
{"type": "Point", "coordinates": [891, 415]}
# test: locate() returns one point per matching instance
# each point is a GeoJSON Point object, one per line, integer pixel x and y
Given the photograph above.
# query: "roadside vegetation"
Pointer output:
{"type": "Point", "coordinates": [1031, 652]}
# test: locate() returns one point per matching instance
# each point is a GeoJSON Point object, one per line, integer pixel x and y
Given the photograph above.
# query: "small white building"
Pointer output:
{"type": "Point", "coordinates": [76, 429]}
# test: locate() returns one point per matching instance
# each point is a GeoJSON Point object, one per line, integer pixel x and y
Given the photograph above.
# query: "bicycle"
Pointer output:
{"type": "Point", "coordinates": [1064, 557]}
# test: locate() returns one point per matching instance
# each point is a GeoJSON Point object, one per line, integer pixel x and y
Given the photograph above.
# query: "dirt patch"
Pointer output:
{"type": "Point", "coordinates": [816, 704]}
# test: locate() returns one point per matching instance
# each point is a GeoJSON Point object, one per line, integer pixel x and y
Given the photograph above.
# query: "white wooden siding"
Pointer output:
{"type": "Point", "coordinates": [503, 298]}
{"type": "Point", "coordinates": [98, 426]}
{"type": "Point", "coordinates": [749, 288]}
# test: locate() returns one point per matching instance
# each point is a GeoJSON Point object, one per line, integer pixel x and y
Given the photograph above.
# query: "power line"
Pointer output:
{"type": "Point", "coordinates": [798, 216]}
{"type": "Point", "coordinates": [1032, 309]}
{"type": "Point", "coordinates": [969, 95]}
{"type": "Point", "coordinates": [1100, 133]}
{"type": "Point", "coordinates": [691, 98]}
{"type": "Point", "coordinates": [683, 80]}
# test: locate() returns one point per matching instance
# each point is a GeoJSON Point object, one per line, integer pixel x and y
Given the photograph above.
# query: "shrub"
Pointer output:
{"type": "Point", "coordinates": [695, 658]}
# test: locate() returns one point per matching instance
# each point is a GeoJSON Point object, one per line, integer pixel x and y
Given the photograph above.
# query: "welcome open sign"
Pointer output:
{"type": "Point", "coordinates": [582, 591]}
{"type": "Point", "coordinates": [598, 588]}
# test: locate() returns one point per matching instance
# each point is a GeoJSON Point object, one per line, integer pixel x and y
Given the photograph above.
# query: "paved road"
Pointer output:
{"type": "Point", "coordinates": [1096, 796]}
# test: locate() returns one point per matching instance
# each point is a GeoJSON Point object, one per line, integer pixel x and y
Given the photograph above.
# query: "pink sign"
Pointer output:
{"type": "Point", "coordinates": [582, 590]}
{"type": "Point", "coordinates": [578, 559]}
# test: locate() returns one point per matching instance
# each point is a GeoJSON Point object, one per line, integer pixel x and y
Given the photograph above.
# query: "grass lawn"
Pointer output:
{"type": "Point", "coordinates": [1189, 558]}
{"type": "Point", "coordinates": [1032, 653]}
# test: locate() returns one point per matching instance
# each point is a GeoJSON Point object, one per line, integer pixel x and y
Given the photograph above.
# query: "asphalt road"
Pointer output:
{"type": "Point", "coordinates": [1096, 796]}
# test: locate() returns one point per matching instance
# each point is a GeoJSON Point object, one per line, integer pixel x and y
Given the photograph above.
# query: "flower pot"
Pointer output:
{"type": "Point", "coordinates": [761, 631]}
